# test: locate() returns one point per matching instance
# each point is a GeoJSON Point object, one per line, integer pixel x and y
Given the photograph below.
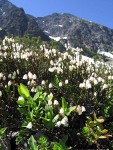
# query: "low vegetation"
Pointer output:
{"type": "Point", "coordinates": [54, 100]}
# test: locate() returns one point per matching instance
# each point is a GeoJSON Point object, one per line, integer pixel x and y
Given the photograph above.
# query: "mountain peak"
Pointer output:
{"type": "Point", "coordinates": [14, 21]}
{"type": "Point", "coordinates": [79, 32]}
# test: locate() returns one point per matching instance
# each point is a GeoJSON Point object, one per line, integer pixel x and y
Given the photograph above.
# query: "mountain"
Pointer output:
{"type": "Point", "coordinates": [14, 21]}
{"type": "Point", "coordinates": [77, 32]}
{"type": "Point", "coordinates": [64, 27]}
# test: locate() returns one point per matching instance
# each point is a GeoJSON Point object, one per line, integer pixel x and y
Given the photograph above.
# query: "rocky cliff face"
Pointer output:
{"type": "Point", "coordinates": [64, 27]}
{"type": "Point", "coordinates": [16, 22]}
{"type": "Point", "coordinates": [77, 31]}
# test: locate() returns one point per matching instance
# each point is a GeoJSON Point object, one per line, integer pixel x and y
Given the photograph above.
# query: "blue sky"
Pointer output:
{"type": "Point", "coordinates": [98, 11]}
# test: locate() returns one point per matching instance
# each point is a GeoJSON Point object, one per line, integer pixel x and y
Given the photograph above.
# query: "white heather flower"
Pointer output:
{"type": "Point", "coordinates": [60, 84]}
{"type": "Point", "coordinates": [109, 77]}
{"type": "Point", "coordinates": [50, 96]}
{"type": "Point", "coordinates": [43, 82]}
{"type": "Point", "coordinates": [106, 71]}
{"type": "Point", "coordinates": [99, 79]}
{"type": "Point", "coordinates": [49, 102]}
{"type": "Point", "coordinates": [33, 89]}
{"type": "Point", "coordinates": [95, 82]}
{"type": "Point", "coordinates": [49, 51]}
{"type": "Point", "coordinates": [46, 107]}
{"type": "Point", "coordinates": [4, 78]}
{"type": "Point", "coordinates": [83, 108]}
{"type": "Point", "coordinates": [66, 118]}
{"type": "Point", "coordinates": [103, 80]}
{"type": "Point", "coordinates": [91, 78]}
{"type": "Point", "coordinates": [25, 76]}
{"type": "Point", "coordinates": [5, 54]}
{"type": "Point", "coordinates": [34, 76]}
{"type": "Point", "coordinates": [56, 118]}
{"type": "Point", "coordinates": [95, 94]}
{"type": "Point", "coordinates": [20, 98]}
{"type": "Point", "coordinates": [87, 82]}
{"type": "Point", "coordinates": [1, 75]}
{"type": "Point", "coordinates": [14, 73]}
{"type": "Point", "coordinates": [82, 85]}
{"type": "Point", "coordinates": [59, 70]}
{"type": "Point", "coordinates": [105, 86]}
{"type": "Point", "coordinates": [59, 64]}
{"type": "Point", "coordinates": [61, 111]}
{"type": "Point", "coordinates": [51, 62]}
{"type": "Point", "coordinates": [58, 124]}
{"type": "Point", "coordinates": [71, 67]}
{"type": "Point", "coordinates": [0, 93]}
{"type": "Point", "coordinates": [80, 109]}
{"type": "Point", "coordinates": [9, 83]}
{"type": "Point", "coordinates": [54, 51]}
{"type": "Point", "coordinates": [30, 75]}
{"type": "Point", "coordinates": [66, 54]}
{"type": "Point", "coordinates": [70, 57]}
{"type": "Point", "coordinates": [51, 69]}
{"type": "Point", "coordinates": [50, 85]}
{"type": "Point", "coordinates": [28, 83]}
{"type": "Point", "coordinates": [66, 81]}
{"type": "Point", "coordinates": [64, 121]}
{"type": "Point", "coordinates": [59, 59]}
{"type": "Point", "coordinates": [56, 102]}
{"type": "Point", "coordinates": [13, 77]}
{"type": "Point", "coordinates": [17, 71]}
{"type": "Point", "coordinates": [29, 126]}
{"type": "Point", "coordinates": [33, 82]}
{"type": "Point", "coordinates": [45, 94]}
{"type": "Point", "coordinates": [88, 85]}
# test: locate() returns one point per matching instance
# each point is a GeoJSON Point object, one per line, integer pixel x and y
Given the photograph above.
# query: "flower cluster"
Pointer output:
{"type": "Point", "coordinates": [84, 83]}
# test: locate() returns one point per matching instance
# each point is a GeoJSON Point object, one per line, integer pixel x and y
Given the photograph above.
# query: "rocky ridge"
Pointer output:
{"type": "Point", "coordinates": [77, 31]}
{"type": "Point", "coordinates": [14, 21]}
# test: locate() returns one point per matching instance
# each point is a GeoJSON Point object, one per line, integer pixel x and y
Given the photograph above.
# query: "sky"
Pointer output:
{"type": "Point", "coordinates": [98, 11]}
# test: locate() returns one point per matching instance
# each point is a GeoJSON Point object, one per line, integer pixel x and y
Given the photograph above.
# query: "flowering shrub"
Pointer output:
{"type": "Point", "coordinates": [59, 94]}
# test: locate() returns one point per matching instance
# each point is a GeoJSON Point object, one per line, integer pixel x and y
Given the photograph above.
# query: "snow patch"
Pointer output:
{"type": "Point", "coordinates": [65, 37]}
{"type": "Point", "coordinates": [3, 13]}
{"type": "Point", "coordinates": [46, 31]}
{"type": "Point", "coordinates": [108, 54]}
{"type": "Point", "coordinates": [60, 25]}
{"type": "Point", "coordinates": [58, 38]}
{"type": "Point", "coordinates": [88, 59]}
{"type": "Point", "coordinates": [55, 38]}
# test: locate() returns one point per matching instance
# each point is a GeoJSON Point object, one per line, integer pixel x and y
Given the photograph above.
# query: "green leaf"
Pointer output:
{"type": "Point", "coordinates": [102, 137]}
{"type": "Point", "coordinates": [104, 131]}
{"type": "Point", "coordinates": [21, 102]}
{"type": "Point", "coordinates": [23, 91]}
{"type": "Point", "coordinates": [59, 146]}
{"type": "Point", "coordinates": [22, 111]}
{"type": "Point", "coordinates": [64, 104]}
{"type": "Point", "coordinates": [36, 96]}
{"type": "Point", "coordinates": [69, 110]}
{"type": "Point", "coordinates": [32, 143]}
{"type": "Point", "coordinates": [38, 90]}
{"type": "Point", "coordinates": [45, 119]}
{"type": "Point", "coordinates": [2, 131]}
{"type": "Point", "coordinates": [100, 120]}
{"type": "Point", "coordinates": [56, 80]}
{"type": "Point", "coordinates": [65, 138]}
